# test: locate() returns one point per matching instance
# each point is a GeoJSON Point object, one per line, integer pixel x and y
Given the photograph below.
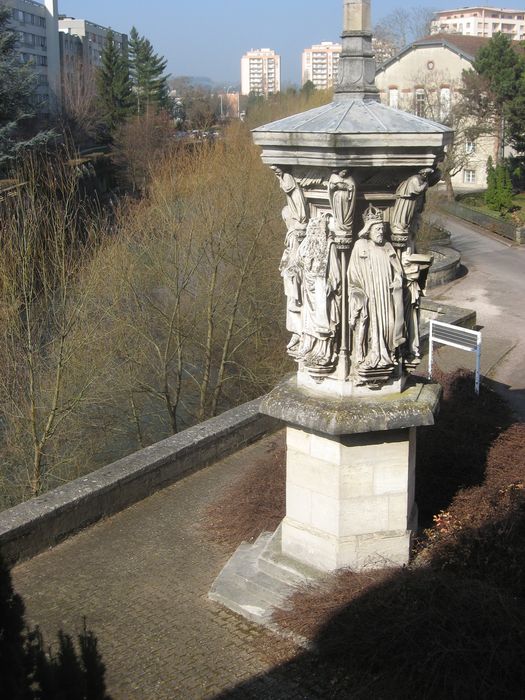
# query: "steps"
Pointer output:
{"type": "Point", "coordinates": [258, 578]}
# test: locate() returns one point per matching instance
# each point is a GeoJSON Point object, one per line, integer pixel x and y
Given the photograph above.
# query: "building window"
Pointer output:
{"type": "Point", "coordinates": [444, 103]}
{"type": "Point", "coordinates": [469, 177]}
{"type": "Point", "coordinates": [419, 107]}
{"type": "Point", "coordinates": [393, 98]}
{"type": "Point", "coordinates": [470, 146]}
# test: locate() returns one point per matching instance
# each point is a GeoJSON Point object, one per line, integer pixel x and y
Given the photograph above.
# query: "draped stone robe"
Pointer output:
{"type": "Point", "coordinates": [375, 270]}
{"type": "Point", "coordinates": [342, 200]}
{"type": "Point", "coordinates": [321, 283]}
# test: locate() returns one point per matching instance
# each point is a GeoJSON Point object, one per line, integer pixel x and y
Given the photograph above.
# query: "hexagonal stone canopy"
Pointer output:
{"type": "Point", "coordinates": [353, 133]}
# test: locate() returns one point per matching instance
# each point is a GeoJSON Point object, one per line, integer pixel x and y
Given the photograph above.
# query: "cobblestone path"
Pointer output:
{"type": "Point", "coordinates": [141, 578]}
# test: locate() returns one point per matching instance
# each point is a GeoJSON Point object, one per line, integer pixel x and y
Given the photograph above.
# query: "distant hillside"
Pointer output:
{"type": "Point", "coordinates": [195, 81]}
{"type": "Point", "coordinates": [199, 81]}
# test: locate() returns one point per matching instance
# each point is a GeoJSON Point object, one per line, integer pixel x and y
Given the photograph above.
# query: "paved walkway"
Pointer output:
{"type": "Point", "coordinates": [142, 578]}
{"type": "Point", "coordinates": [495, 288]}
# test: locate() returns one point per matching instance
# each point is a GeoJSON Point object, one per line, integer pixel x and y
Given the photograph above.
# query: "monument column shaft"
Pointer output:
{"type": "Point", "coordinates": [357, 16]}
{"type": "Point", "coordinates": [356, 72]}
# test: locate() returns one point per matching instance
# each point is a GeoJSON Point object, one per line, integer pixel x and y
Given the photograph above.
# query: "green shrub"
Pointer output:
{"type": "Point", "coordinates": [498, 196]}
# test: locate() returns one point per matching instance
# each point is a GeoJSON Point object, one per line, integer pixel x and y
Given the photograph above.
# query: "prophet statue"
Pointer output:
{"type": "Point", "coordinates": [415, 270]}
{"type": "Point", "coordinates": [341, 191]}
{"type": "Point", "coordinates": [292, 281]}
{"type": "Point", "coordinates": [375, 284]}
{"type": "Point", "coordinates": [297, 205]}
{"type": "Point", "coordinates": [410, 199]}
{"type": "Point", "coordinates": [321, 296]}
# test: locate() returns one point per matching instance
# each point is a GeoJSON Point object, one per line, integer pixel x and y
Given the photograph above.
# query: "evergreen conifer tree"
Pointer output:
{"type": "Point", "coordinates": [495, 88]}
{"type": "Point", "coordinates": [490, 194]}
{"type": "Point", "coordinates": [147, 69]}
{"type": "Point", "coordinates": [504, 188]}
{"type": "Point", "coordinates": [498, 196]}
{"type": "Point", "coordinates": [114, 86]}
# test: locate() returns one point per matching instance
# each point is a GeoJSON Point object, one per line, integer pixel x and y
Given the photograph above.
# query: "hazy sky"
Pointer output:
{"type": "Point", "coordinates": [208, 37]}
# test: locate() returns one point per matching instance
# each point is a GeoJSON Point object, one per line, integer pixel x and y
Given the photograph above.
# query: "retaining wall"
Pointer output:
{"type": "Point", "coordinates": [42, 522]}
{"type": "Point", "coordinates": [445, 267]}
{"type": "Point", "coordinates": [502, 228]}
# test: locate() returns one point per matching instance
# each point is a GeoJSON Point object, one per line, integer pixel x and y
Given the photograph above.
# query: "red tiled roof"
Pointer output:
{"type": "Point", "coordinates": [468, 45]}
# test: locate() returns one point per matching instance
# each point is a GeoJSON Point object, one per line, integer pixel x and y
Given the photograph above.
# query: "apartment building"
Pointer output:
{"type": "Point", "coordinates": [85, 41]}
{"type": "Point", "coordinates": [260, 72]}
{"type": "Point", "coordinates": [36, 24]}
{"type": "Point", "coordinates": [61, 50]}
{"type": "Point", "coordinates": [81, 46]}
{"type": "Point", "coordinates": [480, 21]}
{"type": "Point", "coordinates": [319, 64]}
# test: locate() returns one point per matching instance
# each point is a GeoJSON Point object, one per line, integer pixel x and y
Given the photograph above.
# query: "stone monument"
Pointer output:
{"type": "Point", "coordinates": [354, 174]}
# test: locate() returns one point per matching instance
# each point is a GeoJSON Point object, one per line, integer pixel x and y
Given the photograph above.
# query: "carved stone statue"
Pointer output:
{"type": "Point", "coordinates": [410, 199]}
{"type": "Point", "coordinates": [297, 205]}
{"type": "Point", "coordinates": [415, 268]}
{"type": "Point", "coordinates": [292, 281]}
{"type": "Point", "coordinates": [375, 283]}
{"type": "Point", "coordinates": [321, 297]}
{"type": "Point", "coordinates": [341, 190]}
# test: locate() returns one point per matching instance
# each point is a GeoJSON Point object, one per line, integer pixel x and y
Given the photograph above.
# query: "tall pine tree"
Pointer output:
{"type": "Point", "coordinates": [147, 69]}
{"type": "Point", "coordinates": [114, 86]}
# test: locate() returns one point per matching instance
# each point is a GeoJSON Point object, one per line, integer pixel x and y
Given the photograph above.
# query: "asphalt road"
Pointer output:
{"type": "Point", "coordinates": [495, 287]}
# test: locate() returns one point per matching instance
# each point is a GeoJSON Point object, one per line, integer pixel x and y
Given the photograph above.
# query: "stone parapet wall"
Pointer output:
{"type": "Point", "coordinates": [502, 228]}
{"type": "Point", "coordinates": [446, 266]}
{"type": "Point", "coordinates": [42, 522]}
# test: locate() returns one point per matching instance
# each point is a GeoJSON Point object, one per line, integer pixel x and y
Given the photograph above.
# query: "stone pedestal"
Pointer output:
{"type": "Point", "coordinates": [350, 474]}
{"type": "Point", "coordinates": [350, 499]}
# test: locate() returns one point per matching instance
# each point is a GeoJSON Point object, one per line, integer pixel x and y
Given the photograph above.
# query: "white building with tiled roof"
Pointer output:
{"type": "Point", "coordinates": [424, 78]}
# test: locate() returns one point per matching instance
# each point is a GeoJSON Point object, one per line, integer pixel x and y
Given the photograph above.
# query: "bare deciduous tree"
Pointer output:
{"type": "Point", "coordinates": [140, 144]}
{"type": "Point", "coordinates": [46, 375]}
{"type": "Point", "coordinates": [197, 298]}
{"type": "Point", "coordinates": [404, 25]}
{"type": "Point", "coordinates": [80, 115]}
{"type": "Point", "coordinates": [442, 101]}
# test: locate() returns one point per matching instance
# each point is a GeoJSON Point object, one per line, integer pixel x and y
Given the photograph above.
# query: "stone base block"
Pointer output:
{"type": "Point", "coordinates": [350, 498]}
{"type": "Point", "coordinates": [341, 388]}
{"type": "Point", "coordinates": [357, 552]}
{"type": "Point", "coordinates": [329, 412]}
